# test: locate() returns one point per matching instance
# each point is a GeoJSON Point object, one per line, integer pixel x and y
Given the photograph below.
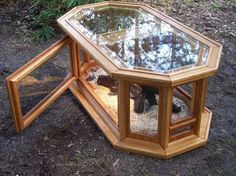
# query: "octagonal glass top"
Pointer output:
{"type": "Point", "coordinates": [135, 39]}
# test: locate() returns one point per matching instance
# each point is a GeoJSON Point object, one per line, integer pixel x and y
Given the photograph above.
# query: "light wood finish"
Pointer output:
{"type": "Point", "coordinates": [191, 142]}
{"type": "Point", "coordinates": [123, 109]}
{"type": "Point", "coordinates": [16, 109]}
{"type": "Point", "coordinates": [120, 135]}
{"type": "Point", "coordinates": [144, 137]}
{"type": "Point", "coordinates": [183, 145]}
{"type": "Point", "coordinates": [75, 59]}
{"type": "Point", "coordinates": [13, 80]}
{"type": "Point", "coordinates": [184, 123]}
{"type": "Point", "coordinates": [125, 127]}
{"type": "Point", "coordinates": [192, 76]}
{"type": "Point", "coordinates": [200, 101]}
{"type": "Point", "coordinates": [87, 87]}
{"type": "Point", "coordinates": [164, 145]}
{"type": "Point", "coordinates": [181, 135]}
{"type": "Point", "coordinates": [205, 123]}
{"type": "Point", "coordinates": [182, 120]}
{"type": "Point", "coordinates": [214, 60]}
{"type": "Point", "coordinates": [142, 78]}
{"type": "Point", "coordinates": [141, 147]}
{"type": "Point", "coordinates": [100, 118]}
{"type": "Point", "coordinates": [176, 78]}
{"type": "Point", "coordinates": [165, 111]}
{"type": "Point", "coordinates": [84, 68]}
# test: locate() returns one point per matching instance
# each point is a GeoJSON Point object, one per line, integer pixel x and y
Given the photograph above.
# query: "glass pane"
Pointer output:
{"type": "Point", "coordinates": [187, 88]}
{"type": "Point", "coordinates": [144, 106]}
{"type": "Point", "coordinates": [105, 89]}
{"type": "Point", "coordinates": [43, 80]}
{"type": "Point", "coordinates": [182, 103]}
{"type": "Point", "coordinates": [181, 130]}
{"type": "Point", "coordinates": [81, 56]}
{"type": "Point", "coordinates": [135, 39]}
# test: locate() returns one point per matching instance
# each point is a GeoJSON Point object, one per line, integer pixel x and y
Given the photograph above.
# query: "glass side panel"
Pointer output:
{"type": "Point", "coordinates": [182, 105]}
{"type": "Point", "coordinates": [135, 39]}
{"type": "Point", "coordinates": [183, 119]}
{"type": "Point", "coordinates": [144, 110]}
{"type": "Point", "coordinates": [105, 88]}
{"type": "Point", "coordinates": [181, 130]}
{"type": "Point", "coordinates": [81, 57]}
{"type": "Point", "coordinates": [43, 80]}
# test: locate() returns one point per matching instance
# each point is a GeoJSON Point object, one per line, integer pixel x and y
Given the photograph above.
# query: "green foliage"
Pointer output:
{"type": "Point", "coordinates": [217, 5]}
{"type": "Point", "coordinates": [44, 33]}
{"type": "Point", "coordinates": [233, 2]}
{"type": "Point", "coordinates": [49, 11]}
{"type": "Point", "coordinates": [73, 3]}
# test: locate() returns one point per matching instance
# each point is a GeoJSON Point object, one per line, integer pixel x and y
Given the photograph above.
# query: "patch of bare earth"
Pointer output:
{"type": "Point", "coordinates": [65, 141]}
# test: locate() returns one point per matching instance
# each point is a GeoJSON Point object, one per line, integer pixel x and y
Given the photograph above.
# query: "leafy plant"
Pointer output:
{"type": "Point", "coordinates": [233, 1]}
{"type": "Point", "coordinates": [44, 33]}
{"type": "Point", "coordinates": [217, 5]}
{"type": "Point", "coordinates": [49, 11]}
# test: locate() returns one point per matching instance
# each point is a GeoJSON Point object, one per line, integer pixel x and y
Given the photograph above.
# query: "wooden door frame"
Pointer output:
{"type": "Point", "coordinates": [22, 121]}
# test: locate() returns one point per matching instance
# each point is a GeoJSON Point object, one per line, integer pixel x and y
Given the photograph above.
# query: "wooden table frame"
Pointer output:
{"type": "Point", "coordinates": [164, 145]}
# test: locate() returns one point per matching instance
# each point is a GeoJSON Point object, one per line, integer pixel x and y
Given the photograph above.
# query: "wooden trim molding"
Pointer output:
{"type": "Point", "coordinates": [22, 121]}
{"type": "Point", "coordinates": [172, 139]}
{"type": "Point", "coordinates": [176, 78]}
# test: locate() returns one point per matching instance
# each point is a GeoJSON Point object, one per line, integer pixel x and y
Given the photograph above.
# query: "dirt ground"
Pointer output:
{"type": "Point", "coordinates": [65, 141]}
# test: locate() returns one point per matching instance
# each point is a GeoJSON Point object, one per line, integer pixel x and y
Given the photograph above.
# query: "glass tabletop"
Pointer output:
{"type": "Point", "coordinates": [136, 39]}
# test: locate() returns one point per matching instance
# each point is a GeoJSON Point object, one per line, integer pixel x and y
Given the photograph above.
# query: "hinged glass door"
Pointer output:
{"type": "Point", "coordinates": [41, 81]}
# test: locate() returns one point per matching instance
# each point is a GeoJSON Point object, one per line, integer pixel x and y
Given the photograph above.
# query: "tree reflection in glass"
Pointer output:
{"type": "Point", "coordinates": [135, 39]}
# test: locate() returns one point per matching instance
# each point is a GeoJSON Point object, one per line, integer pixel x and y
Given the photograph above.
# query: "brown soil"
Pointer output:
{"type": "Point", "coordinates": [65, 141]}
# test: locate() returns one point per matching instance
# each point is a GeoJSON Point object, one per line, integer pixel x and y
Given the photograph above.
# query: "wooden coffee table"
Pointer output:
{"type": "Point", "coordinates": [141, 76]}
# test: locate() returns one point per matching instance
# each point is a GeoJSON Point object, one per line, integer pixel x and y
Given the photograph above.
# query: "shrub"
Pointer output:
{"type": "Point", "coordinates": [49, 10]}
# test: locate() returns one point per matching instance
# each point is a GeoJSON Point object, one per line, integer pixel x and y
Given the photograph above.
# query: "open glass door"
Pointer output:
{"type": "Point", "coordinates": [41, 81]}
